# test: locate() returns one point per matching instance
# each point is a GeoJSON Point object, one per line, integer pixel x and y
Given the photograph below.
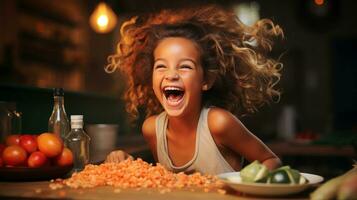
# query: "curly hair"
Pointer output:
{"type": "Point", "coordinates": [233, 54]}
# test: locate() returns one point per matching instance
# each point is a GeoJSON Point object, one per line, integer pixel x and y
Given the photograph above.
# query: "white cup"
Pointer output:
{"type": "Point", "coordinates": [103, 136]}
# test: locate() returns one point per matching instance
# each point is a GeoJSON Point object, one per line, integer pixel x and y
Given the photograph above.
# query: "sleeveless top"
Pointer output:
{"type": "Point", "coordinates": [207, 158]}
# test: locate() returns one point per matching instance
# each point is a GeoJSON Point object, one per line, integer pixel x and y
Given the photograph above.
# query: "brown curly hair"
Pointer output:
{"type": "Point", "coordinates": [233, 54]}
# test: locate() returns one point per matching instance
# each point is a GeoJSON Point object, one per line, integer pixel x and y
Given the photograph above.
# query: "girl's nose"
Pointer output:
{"type": "Point", "coordinates": [172, 75]}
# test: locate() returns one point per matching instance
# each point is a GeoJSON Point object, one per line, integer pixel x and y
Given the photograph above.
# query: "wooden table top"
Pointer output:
{"type": "Point", "coordinates": [36, 190]}
{"type": "Point", "coordinates": [41, 189]}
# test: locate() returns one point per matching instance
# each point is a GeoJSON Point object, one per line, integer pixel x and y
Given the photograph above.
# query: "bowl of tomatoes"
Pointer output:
{"type": "Point", "coordinates": [25, 157]}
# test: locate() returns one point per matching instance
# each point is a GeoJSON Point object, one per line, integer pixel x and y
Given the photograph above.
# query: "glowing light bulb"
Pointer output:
{"type": "Point", "coordinates": [103, 18]}
{"type": "Point", "coordinates": [102, 21]}
{"type": "Point", "coordinates": [319, 2]}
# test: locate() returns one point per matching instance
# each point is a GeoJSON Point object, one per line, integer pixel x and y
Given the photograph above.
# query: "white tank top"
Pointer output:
{"type": "Point", "coordinates": [207, 158]}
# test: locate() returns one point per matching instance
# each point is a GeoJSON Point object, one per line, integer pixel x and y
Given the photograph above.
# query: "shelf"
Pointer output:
{"type": "Point", "coordinates": [34, 57]}
{"type": "Point", "coordinates": [50, 42]}
{"type": "Point", "coordinates": [33, 38]}
{"type": "Point", "coordinates": [31, 9]}
{"type": "Point", "coordinates": [34, 48]}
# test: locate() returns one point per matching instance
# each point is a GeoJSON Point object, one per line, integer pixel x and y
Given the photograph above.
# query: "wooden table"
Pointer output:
{"type": "Point", "coordinates": [41, 190]}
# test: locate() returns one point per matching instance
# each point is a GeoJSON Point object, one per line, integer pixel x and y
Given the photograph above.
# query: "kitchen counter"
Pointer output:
{"type": "Point", "coordinates": [322, 159]}
{"type": "Point", "coordinates": [41, 190]}
{"type": "Point", "coordinates": [295, 149]}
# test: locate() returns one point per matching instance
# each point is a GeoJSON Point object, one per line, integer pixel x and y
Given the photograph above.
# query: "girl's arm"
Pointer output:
{"type": "Point", "coordinates": [229, 132]}
{"type": "Point", "coordinates": [149, 133]}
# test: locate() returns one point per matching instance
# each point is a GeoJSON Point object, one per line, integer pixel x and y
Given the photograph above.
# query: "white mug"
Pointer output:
{"type": "Point", "coordinates": [103, 136]}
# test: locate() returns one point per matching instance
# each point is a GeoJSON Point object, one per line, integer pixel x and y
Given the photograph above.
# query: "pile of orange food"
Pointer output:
{"type": "Point", "coordinates": [137, 174]}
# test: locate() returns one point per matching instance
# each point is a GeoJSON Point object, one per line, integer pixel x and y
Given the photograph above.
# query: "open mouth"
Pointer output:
{"type": "Point", "coordinates": [173, 94]}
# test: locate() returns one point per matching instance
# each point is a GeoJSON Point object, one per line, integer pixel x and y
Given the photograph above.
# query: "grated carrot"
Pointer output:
{"type": "Point", "coordinates": [137, 174]}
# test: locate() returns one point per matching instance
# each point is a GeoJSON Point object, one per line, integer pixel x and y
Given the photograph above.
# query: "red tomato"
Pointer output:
{"type": "Point", "coordinates": [14, 155]}
{"type": "Point", "coordinates": [2, 147]}
{"type": "Point", "coordinates": [37, 159]}
{"type": "Point", "coordinates": [50, 144]}
{"type": "Point", "coordinates": [29, 143]}
{"type": "Point", "coordinates": [35, 137]}
{"type": "Point", "coordinates": [65, 158]}
{"type": "Point", "coordinates": [12, 140]}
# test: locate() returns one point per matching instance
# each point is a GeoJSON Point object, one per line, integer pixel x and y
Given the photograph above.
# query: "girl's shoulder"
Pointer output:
{"type": "Point", "coordinates": [220, 121]}
{"type": "Point", "coordinates": [148, 128]}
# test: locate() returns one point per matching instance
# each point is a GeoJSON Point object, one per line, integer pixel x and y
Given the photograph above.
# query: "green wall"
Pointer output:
{"type": "Point", "coordinates": [36, 105]}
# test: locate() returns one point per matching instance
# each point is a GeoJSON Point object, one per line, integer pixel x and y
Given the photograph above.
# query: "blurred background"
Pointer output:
{"type": "Point", "coordinates": [46, 44]}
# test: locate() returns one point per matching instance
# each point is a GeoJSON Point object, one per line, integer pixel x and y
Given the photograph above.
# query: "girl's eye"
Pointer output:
{"type": "Point", "coordinates": [159, 66]}
{"type": "Point", "coordinates": [185, 67]}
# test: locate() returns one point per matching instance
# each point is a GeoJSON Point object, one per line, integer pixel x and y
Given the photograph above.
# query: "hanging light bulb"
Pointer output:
{"type": "Point", "coordinates": [103, 18]}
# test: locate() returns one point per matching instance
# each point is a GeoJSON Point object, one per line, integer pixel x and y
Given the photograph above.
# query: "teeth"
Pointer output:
{"type": "Point", "coordinates": [172, 88]}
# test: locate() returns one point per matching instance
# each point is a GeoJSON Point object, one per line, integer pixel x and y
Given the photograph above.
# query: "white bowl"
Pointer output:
{"type": "Point", "coordinates": [233, 180]}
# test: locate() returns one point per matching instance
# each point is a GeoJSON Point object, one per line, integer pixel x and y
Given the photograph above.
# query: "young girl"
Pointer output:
{"type": "Point", "coordinates": [194, 70]}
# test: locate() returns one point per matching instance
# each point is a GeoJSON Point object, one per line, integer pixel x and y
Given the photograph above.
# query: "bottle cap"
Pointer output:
{"type": "Point", "coordinates": [76, 117]}
{"type": "Point", "coordinates": [58, 92]}
{"type": "Point", "coordinates": [77, 121]}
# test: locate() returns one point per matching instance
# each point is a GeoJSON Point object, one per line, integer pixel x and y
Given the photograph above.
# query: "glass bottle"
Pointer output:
{"type": "Point", "coordinates": [58, 122]}
{"type": "Point", "coordinates": [78, 141]}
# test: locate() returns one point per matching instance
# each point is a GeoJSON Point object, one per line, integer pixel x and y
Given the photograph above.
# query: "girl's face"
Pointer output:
{"type": "Point", "coordinates": [178, 76]}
